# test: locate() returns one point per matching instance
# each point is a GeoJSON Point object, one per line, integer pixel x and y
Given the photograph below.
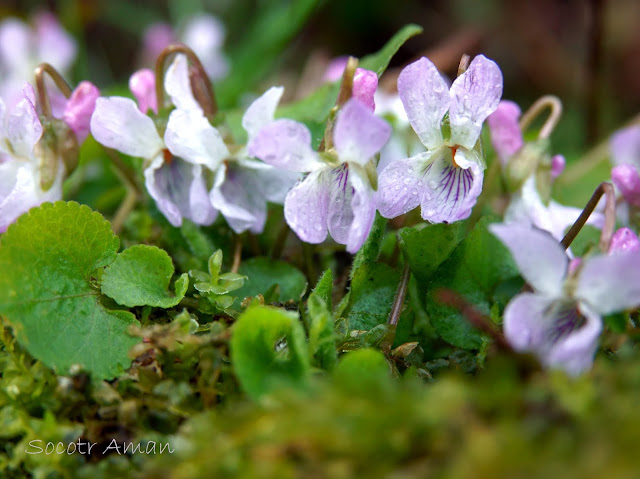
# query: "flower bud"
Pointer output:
{"type": "Point", "coordinates": [524, 163]}
{"type": "Point", "coordinates": [79, 109]}
{"type": "Point", "coordinates": [624, 241]}
{"type": "Point", "coordinates": [506, 136]}
{"type": "Point", "coordinates": [557, 166]}
{"type": "Point", "coordinates": [143, 86]}
{"type": "Point", "coordinates": [626, 179]}
{"type": "Point", "coordinates": [365, 83]}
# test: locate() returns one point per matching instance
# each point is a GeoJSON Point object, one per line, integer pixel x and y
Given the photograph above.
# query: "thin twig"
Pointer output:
{"type": "Point", "coordinates": [237, 254]}
{"type": "Point", "coordinates": [209, 104]}
{"type": "Point", "coordinates": [396, 309]}
{"type": "Point", "coordinates": [607, 230]}
{"type": "Point", "coordinates": [548, 101]}
{"type": "Point", "coordinates": [475, 318]}
{"type": "Point", "coordinates": [43, 97]}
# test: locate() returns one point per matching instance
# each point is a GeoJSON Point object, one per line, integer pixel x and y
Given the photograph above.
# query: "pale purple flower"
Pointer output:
{"type": "Point", "coordinates": [203, 33]}
{"type": "Point", "coordinates": [445, 180]}
{"type": "Point", "coordinates": [242, 186]}
{"type": "Point", "coordinates": [23, 48]}
{"type": "Point", "coordinates": [336, 196]}
{"type": "Point", "coordinates": [335, 69]}
{"type": "Point", "coordinates": [625, 154]}
{"type": "Point", "coordinates": [560, 321]}
{"type": "Point", "coordinates": [20, 179]}
{"type": "Point", "coordinates": [624, 241]}
{"type": "Point", "coordinates": [176, 183]}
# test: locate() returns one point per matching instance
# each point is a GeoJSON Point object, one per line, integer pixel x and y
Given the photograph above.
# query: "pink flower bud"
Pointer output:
{"type": "Point", "coordinates": [143, 86]}
{"type": "Point", "coordinates": [574, 264]}
{"type": "Point", "coordinates": [624, 241]}
{"type": "Point", "coordinates": [77, 113]}
{"type": "Point", "coordinates": [626, 179]}
{"type": "Point", "coordinates": [506, 136]}
{"type": "Point", "coordinates": [557, 166]}
{"type": "Point", "coordinates": [365, 83]}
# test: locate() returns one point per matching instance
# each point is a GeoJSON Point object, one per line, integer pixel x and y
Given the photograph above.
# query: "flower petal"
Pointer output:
{"type": "Point", "coordinates": [178, 85]}
{"type": "Point", "coordinates": [558, 332]}
{"type": "Point", "coordinates": [540, 258]}
{"type": "Point", "coordinates": [117, 123]}
{"type": "Point", "coordinates": [285, 144]}
{"type": "Point", "coordinates": [627, 180]}
{"type": "Point", "coordinates": [261, 112]}
{"type": "Point", "coordinates": [23, 128]}
{"type": "Point", "coordinates": [143, 86]}
{"type": "Point", "coordinates": [450, 192]}
{"type": "Point", "coordinates": [363, 206]}
{"type": "Point", "coordinates": [625, 146]}
{"type": "Point", "coordinates": [306, 207]}
{"type": "Point", "coordinates": [358, 134]}
{"type": "Point", "coordinates": [425, 97]}
{"type": "Point", "coordinates": [15, 40]}
{"type": "Point", "coordinates": [55, 45]}
{"type": "Point", "coordinates": [179, 191]}
{"type": "Point", "coordinates": [610, 283]}
{"type": "Point", "coordinates": [474, 96]}
{"type": "Point", "coordinates": [506, 136]}
{"type": "Point", "coordinates": [77, 113]}
{"type": "Point", "coordinates": [190, 136]}
{"type": "Point", "coordinates": [237, 195]}
{"type": "Point", "coordinates": [273, 184]}
{"type": "Point", "coordinates": [401, 184]}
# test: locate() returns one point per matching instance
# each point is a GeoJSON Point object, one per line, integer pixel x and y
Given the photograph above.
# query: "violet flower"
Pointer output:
{"type": "Point", "coordinates": [560, 321]}
{"type": "Point", "coordinates": [21, 182]}
{"type": "Point", "coordinates": [445, 180]}
{"type": "Point", "coordinates": [23, 48]}
{"type": "Point", "coordinates": [337, 195]}
{"type": "Point", "coordinates": [204, 34]}
{"type": "Point", "coordinates": [624, 241]}
{"type": "Point", "coordinates": [527, 204]}
{"type": "Point", "coordinates": [176, 184]}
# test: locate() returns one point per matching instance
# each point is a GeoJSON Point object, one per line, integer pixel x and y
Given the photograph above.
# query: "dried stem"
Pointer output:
{"type": "Point", "coordinates": [237, 254]}
{"type": "Point", "coordinates": [475, 318]}
{"type": "Point", "coordinates": [610, 217]}
{"type": "Point", "coordinates": [208, 102]}
{"type": "Point", "coordinates": [548, 101]}
{"type": "Point", "coordinates": [43, 97]}
{"type": "Point", "coordinates": [396, 309]}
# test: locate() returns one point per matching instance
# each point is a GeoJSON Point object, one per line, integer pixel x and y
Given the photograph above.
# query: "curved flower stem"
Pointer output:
{"type": "Point", "coordinates": [609, 217]}
{"type": "Point", "coordinates": [475, 318]}
{"type": "Point", "coordinates": [548, 101]}
{"type": "Point", "coordinates": [344, 94]}
{"type": "Point", "coordinates": [132, 185]}
{"type": "Point", "coordinates": [206, 99]}
{"type": "Point", "coordinates": [43, 97]}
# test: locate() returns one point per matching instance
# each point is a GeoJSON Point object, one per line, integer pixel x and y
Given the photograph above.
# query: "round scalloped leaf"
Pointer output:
{"type": "Point", "coordinates": [140, 276]}
{"type": "Point", "coordinates": [262, 360]}
{"type": "Point", "coordinates": [47, 259]}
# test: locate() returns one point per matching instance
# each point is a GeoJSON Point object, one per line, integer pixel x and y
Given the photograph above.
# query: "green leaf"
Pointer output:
{"type": "Point", "coordinates": [427, 248]}
{"type": "Point", "coordinates": [370, 250]}
{"type": "Point", "coordinates": [475, 269]}
{"type": "Point", "coordinates": [379, 61]}
{"type": "Point", "coordinates": [259, 366]}
{"type": "Point", "coordinates": [263, 41]}
{"type": "Point", "coordinates": [140, 276]}
{"type": "Point", "coordinates": [48, 259]}
{"type": "Point", "coordinates": [264, 273]}
{"type": "Point", "coordinates": [324, 288]}
{"type": "Point", "coordinates": [372, 291]}
{"type": "Point", "coordinates": [322, 338]}
{"type": "Point", "coordinates": [363, 370]}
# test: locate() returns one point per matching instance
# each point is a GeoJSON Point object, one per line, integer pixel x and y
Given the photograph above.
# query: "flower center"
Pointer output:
{"type": "Point", "coordinates": [168, 157]}
{"type": "Point", "coordinates": [454, 149]}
